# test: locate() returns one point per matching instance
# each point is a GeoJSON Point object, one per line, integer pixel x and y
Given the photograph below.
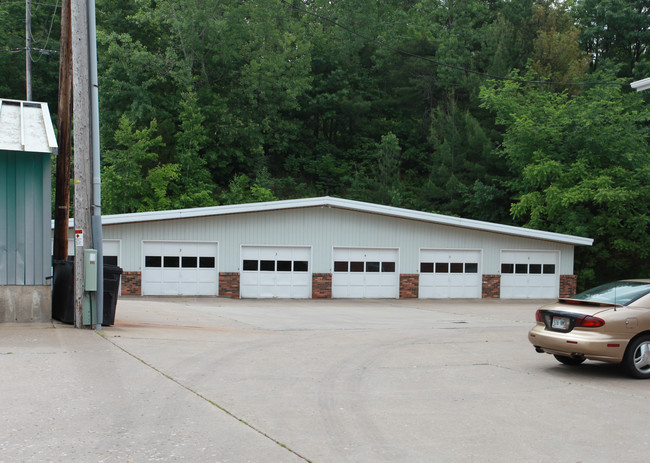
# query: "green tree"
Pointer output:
{"type": "Point", "coordinates": [132, 179]}
{"type": "Point", "coordinates": [580, 164]}
{"type": "Point", "coordinates": [615, 32]}
{"type": "Point", "coordinates": [195, 187]}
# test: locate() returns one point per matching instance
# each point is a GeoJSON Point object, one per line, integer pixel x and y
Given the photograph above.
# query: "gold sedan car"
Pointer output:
{"type": "Point", "coordinates": [609, 323]}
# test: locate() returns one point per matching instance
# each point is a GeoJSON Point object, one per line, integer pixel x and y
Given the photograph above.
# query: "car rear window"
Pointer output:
{"type": "Point", "coordinates": [617, 292]}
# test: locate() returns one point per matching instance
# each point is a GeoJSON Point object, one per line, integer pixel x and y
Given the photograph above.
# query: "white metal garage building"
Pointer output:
{"type": "Point", "coordinates": [330, 247]}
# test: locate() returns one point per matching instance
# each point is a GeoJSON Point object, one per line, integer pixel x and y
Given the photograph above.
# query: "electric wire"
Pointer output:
{"type": "Point", "coordinates": [439, 63]}
{"type": "Point", "coordinates": [43, 49]}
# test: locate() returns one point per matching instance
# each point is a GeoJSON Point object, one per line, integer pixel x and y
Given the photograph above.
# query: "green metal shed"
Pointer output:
{"type": "Point", "coordinates": [27, 143]}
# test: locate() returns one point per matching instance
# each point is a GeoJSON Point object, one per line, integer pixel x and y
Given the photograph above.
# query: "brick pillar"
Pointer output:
{"type": "Point", "coordinates": [409, 285]}
{"type": "Point", "coordinates": [321, 286]}
{"type": "Point", "coordinates": [568, 285]}
{"type": "Point", "coordinates": [131, 284]}
{"type": "Point", "coordinates": [491, 287]}
{"type": "Point", "coordinates": [229, 284]}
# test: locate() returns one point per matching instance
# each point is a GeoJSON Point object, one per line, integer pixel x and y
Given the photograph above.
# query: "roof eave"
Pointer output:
{"type": "Point", "coordinates": [359, 206]}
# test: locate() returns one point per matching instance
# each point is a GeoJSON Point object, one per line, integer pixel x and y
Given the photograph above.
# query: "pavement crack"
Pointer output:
{"type": "Point", "coordinates": [206, 399]}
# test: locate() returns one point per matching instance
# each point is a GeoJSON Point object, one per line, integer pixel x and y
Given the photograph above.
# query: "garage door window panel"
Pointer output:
{"type": "Point", "coordinates": [250, 265]}
{"type": "Point", "coordinates": [284, 266]}
{"type": "Point", "coordinates": [301, 266]}
{"type": "Point", "coordinates": [471, 267]}
{"type": "Point", "coordinates": [340, 266]}
{"type": "Point", "coordinates": [153, 261]}
{"type": "Point", "coordinates": [267, 265]}
{"type": "Point", "coordinates": [535, 269]}
{"type": "Point", "coordinates": [388, 267]}
{"type": "Point", "coordinates": [171, 262]}
{"type": "Point", "coordinates": [442, 267]}
{"type": "Point", "coordinates": [549, 269]}
{"type": "Point", "coordinates": [456, 267]}
{"type": "Point", "coordinates": [507, 268]}
{"type": "Point", "coordinates": [372, 267]}
{"type": "Point", "coordinates": [356, 267]}
{"type": "Point", "coordinates": [426, 267]}
{"type": "Point", "coordinates": [206, 262]}
{"type": "Point", "coordinates": [189, 262]}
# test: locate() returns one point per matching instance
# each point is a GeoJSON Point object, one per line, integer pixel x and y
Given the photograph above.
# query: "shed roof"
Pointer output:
{"type": "Point", "coordinates": [358, 206]}
{"type": "Point", "coordinates": [26, 126]}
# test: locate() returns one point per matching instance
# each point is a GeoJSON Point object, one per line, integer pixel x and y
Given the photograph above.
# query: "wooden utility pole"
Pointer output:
{"type": "Point", "coordinates": [62, 197]}
{"type": "Point", "coordinates": [82, 153]}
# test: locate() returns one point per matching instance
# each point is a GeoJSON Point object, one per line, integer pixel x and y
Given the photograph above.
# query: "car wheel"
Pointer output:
{"type": "Point", "coordinates": [569, 360]}
{"type": "Point", "coordinates": [637, 358]}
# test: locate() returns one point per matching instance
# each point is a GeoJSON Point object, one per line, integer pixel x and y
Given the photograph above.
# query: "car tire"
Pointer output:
{"type": "Point", "coordinates": [569, 360]}
{"type": "Point", "coordinates": [637, 357]}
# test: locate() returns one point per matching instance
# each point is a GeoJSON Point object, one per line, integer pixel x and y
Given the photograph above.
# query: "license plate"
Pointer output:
{"type": "Point", "coordinates": [560, 323]}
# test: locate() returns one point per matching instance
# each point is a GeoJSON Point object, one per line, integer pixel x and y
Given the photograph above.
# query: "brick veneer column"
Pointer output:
{"type": "Point", "coordinates": [568, 285]}
{"type": "Point", "coordinates": [491, 287]}
{"type": "Point", "coordinates": [409, 285]}
{"type": "Point", "coordinates": [131, 284]}
{"type": "Point", "coordinates": [229, 284]}
{"type": "Point", "coordinates": [321, 286]}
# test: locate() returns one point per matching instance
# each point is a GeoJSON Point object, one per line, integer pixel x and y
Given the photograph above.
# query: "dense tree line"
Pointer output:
{"type": "Point", "coordinates": [397, 102]}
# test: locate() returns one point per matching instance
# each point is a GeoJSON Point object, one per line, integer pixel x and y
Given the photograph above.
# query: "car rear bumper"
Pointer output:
{"type": "Point", "coordinates": [591, 344]}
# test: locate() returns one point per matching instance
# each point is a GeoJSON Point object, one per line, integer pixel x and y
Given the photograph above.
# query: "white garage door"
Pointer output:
{"type": "Point", "coordinates": [450, 273]}
{"type": "Point", "coordinates": [179, 268]}
{"type": "Point", "coordinates": [276, 271]}
{"type": "Point", "coordinates": [530, 275]}
{"type": "Point", "coordinates": [111, 249]}
{"type": "Point", "coordinates": [365, 273]}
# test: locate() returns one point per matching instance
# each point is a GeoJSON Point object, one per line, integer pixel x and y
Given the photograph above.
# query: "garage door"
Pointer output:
{"type": "Point", "coordinates": [179, 268]}
{"type": "Point", "coordinates": [365, 273]}
{"type": "Point", "coordinates": [530, 274]}
{"type": "Point", "coordinates": [450, 273]}
{"type": "Point", "coordinates": [275, 271]}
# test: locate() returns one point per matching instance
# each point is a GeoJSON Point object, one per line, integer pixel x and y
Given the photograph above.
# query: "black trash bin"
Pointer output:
{"type": "Point", "coordinates": [111, 288]}
{"type": "Point", "coordinates": [63, 291]}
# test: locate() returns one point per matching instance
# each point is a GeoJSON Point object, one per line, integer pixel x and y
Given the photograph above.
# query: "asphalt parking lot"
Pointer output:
{"type": "Point", "coordinates": [222, 380]}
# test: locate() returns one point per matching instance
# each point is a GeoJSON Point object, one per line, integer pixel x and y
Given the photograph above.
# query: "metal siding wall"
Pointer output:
{"type": "Point", "coordinates": [20, 212]}
{"type": "Point", "coordinates": [4, 218]}
{"type": "Point", "coordinates": [323, 228]}
{"type": "Point", "coordinates": [25, 212]}
{"type": "Point", "coordinates": [42, 242]}
{"type": "Point", "coordinates": [28, 197]}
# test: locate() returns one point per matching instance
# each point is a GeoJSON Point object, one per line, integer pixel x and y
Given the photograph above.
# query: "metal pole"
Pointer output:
{"type": "Point", "coordinates": [97, 195]}
{"type": "Point", "coordinates": [28, 49]}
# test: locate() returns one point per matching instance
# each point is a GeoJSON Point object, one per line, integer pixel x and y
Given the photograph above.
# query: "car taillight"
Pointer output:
{"type": "Point", "coordinates": [538, 316]}
{"type": "Point", "coordinates": [590, 322]}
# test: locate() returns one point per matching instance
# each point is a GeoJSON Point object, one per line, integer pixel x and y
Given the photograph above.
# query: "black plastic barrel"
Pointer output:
{"type": "Point", "coordinates": [111, 288]}
{"type": "Point", "coordinates": [63, 291]}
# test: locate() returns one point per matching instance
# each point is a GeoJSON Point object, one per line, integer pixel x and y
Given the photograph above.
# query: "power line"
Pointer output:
{"type": "Point", "coordinates": [49, 33]}
{"type": "Point", "coordinates": [439, 63]}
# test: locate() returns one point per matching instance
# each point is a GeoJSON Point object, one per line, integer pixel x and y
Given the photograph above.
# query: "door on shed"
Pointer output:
{"type": "Point", "coordinates": [179, 268]}
{"type": "Point", "coordinates": [450, 273]}
{"type": "Point", "coordinates": [365, 273]}
{"type": "Point", "coordinates": [275, 271]}
{"type": "Point", "coordinates": [530, 274]}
